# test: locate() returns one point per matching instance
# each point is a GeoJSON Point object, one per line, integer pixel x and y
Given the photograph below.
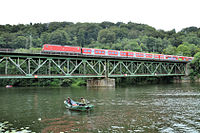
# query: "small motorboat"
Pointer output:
{"type": "Point", "coordinates": [78, 106]}
{"type": "Point", "coordinates": [9, 86]}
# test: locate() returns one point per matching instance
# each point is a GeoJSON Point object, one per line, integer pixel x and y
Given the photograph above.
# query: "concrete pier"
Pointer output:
{"type": "Point", "coordinates": [101, 82]}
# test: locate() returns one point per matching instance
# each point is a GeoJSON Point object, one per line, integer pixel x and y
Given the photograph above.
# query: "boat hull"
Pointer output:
{"type": "Point", "coordinates": [79, 108]}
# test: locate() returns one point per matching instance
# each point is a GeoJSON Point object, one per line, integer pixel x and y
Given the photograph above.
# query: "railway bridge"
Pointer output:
{"type": "Point", "coordinates": [26, 65]}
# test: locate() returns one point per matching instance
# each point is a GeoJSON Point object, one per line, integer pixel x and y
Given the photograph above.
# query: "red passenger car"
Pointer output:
{"type": "Point", "coordinates": [139, 55]}
{"type": "Point", "coordinates": [162, 57]}
{"type": "Point", "coordinates": [99, 52]}
{"type": "Point", "coordinates": [88, 51]}
{"type": "Point", "coordinates": [130, 54]}
{"type": "Point", "coordinates": [61, 49]}
{"type": "Point", "coordinates": [149, 56]}
{"type": "Point", "coordinates": [181, 58]}
{"type": "Point", "coordinates": [156, 56]}
{"type": "Point", "coordinates": [113, 53]}
{"type": "Point", "coordinates": [123, 54]}
{"type": "Point", "coordinates": [171, 57]}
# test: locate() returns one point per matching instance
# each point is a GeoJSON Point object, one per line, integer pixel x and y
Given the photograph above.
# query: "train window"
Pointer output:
{"type": "Point", "coordinates": [115, 52]}
{"type": "Point", "coordinates": [112, 52]}
{"type": "Point", "coordinates": [88, 50]}
{"type": "Point", "coordinates": [96, 51]}
{"type": "Point", "coordinates": [47, 46]}
{"type": "Point", "coordinates": [99, 51]}
{"type": "Point", "coordinates": [103, 52]}
{"type": "Point", "coordinates": [85, 50]}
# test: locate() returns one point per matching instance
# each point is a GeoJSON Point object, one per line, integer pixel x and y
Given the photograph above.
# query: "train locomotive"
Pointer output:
{"type": "Point", "coordinates": [51, 48]}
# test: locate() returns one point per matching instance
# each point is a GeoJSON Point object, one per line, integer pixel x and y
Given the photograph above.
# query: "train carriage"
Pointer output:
{"type": "Point", "coordinates": [171, 57]}
{"type": "Point", "coordinates": [130, 54]}
{"type": "Point", "coordinates": [181, 58]}
{"type": "Point", "coordinates": [123, 54]}
{"type": "Point", "coordinates": [149, 56]}
{"type": "Point", "coordinates": [113, 53]}
{"type": "Point", "coordinates": [88, 51]}
{"type": "Point", "coordinates": [61, 49]}
{"type": "Point", "coordinates": [139, 55]}
{"type": "Point", "coordinates": [161, 56]}
{"type": "Point", "coordinates": [100, 52]}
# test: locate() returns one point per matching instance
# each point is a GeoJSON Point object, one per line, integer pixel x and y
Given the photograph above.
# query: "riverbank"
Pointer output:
{"type": "Point", "coordinates": [185, 79]}
{"type": "Point", "coordinates": [79, 82]}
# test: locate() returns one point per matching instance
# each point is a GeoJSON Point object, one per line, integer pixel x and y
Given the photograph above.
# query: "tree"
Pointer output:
{"type": "Point", "coordinates": [153, 44]}
{"type": "Point", "coordinates": [106, 36]}
{"type": "Point", "coordinates": [59, 37]}
{"type": "Point", "coordinates": [192, 39]}
{"type": "Point", "coordinates": [120, 32]}
{"type": "Point", "coordinates": [183, 50]}
{"type": "Point", "coordinates": [37, 43]}
{"type": "Point", "coordinates": [133, 46]}
{"type": "Point", "coordinates": [189, 29]}
{"type": "Point", "coordinates": [133, 34]}
{"type": "Point", "coordinates": [45, 37]}
{"type": "Point", "coordinates": [106, 24]}
{"type": "Point", "coordinates": [19, 42]}
{"type": "Point", "coordinates": [187, 49]}
{"type": "Point", "coordinates": [81, 37]}
{"type": "Point", "coordinates": [170, 50]}
{"type": "Point", "coordinates": [195, 69]}
{"type": "Point", "coordinates": [2, 42]}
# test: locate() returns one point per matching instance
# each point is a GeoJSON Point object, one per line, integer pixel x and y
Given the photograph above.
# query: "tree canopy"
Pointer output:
{"type": "Point", "coordinates": [106, 35]}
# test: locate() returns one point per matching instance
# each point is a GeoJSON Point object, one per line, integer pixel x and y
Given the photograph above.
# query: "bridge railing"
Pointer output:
{"type": "Point", "coordinates": [6, 50]}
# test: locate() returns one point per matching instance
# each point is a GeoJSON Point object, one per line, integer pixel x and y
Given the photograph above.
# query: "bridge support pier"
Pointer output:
{"type": "Point", "coordinates": [106, 82]}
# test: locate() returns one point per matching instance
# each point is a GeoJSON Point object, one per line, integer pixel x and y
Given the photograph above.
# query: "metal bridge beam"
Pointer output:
{"type": "Point", "coordinates": [37, 66]}
{"type": "Point", "coordinates": [118, 68]}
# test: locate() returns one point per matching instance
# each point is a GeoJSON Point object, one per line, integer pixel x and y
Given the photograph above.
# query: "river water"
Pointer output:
{"type": "Point", "coordinates": [141, 108]}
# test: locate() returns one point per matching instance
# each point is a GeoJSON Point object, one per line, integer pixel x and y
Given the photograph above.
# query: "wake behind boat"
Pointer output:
{"type": "Point", "coordinates": [77, 106]}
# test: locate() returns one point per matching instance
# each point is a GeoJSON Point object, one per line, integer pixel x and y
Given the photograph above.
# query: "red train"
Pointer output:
{"type": "Point", "coordinates": [49, 48]}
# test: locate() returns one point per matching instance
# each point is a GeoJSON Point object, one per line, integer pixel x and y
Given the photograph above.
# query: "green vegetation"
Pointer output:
{"type": "Point", "coordinates": [105, 35]}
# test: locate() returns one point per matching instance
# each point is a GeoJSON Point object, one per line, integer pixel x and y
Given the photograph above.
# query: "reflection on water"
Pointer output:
{"type": "Point", "coordinates": [146, 108]}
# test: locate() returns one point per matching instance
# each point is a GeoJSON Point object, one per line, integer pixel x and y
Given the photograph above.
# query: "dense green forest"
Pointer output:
{"type": "Point", "coordinates": [105, 35]}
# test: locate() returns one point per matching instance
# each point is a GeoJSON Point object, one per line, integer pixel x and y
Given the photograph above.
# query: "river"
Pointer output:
{"type": "Point", "coordinates": [159, 108]}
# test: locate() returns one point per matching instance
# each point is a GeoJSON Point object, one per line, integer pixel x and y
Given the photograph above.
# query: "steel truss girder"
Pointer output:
{"type": "Point", "coordinates": [123, 68]}
{"type": "Point", "coordinates": [40, 67]}
{"type": "Point", "coordinates": [14, 66]}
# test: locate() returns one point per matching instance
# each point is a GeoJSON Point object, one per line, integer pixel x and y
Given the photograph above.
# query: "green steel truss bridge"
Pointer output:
{"type": "Point", "coordinates": [21, 65]}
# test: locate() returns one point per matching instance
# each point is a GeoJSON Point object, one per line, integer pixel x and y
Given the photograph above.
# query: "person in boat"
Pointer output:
{"type": "Point", "coordinates": [83, 102]}
{"type": "Point", "coordinates": [71, 102]}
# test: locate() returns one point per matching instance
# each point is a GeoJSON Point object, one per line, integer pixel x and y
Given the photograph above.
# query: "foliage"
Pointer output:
{"type": "Point", "coordinates": [195, 69]}
{"type": "Point", "coordinates": [106, 36]}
